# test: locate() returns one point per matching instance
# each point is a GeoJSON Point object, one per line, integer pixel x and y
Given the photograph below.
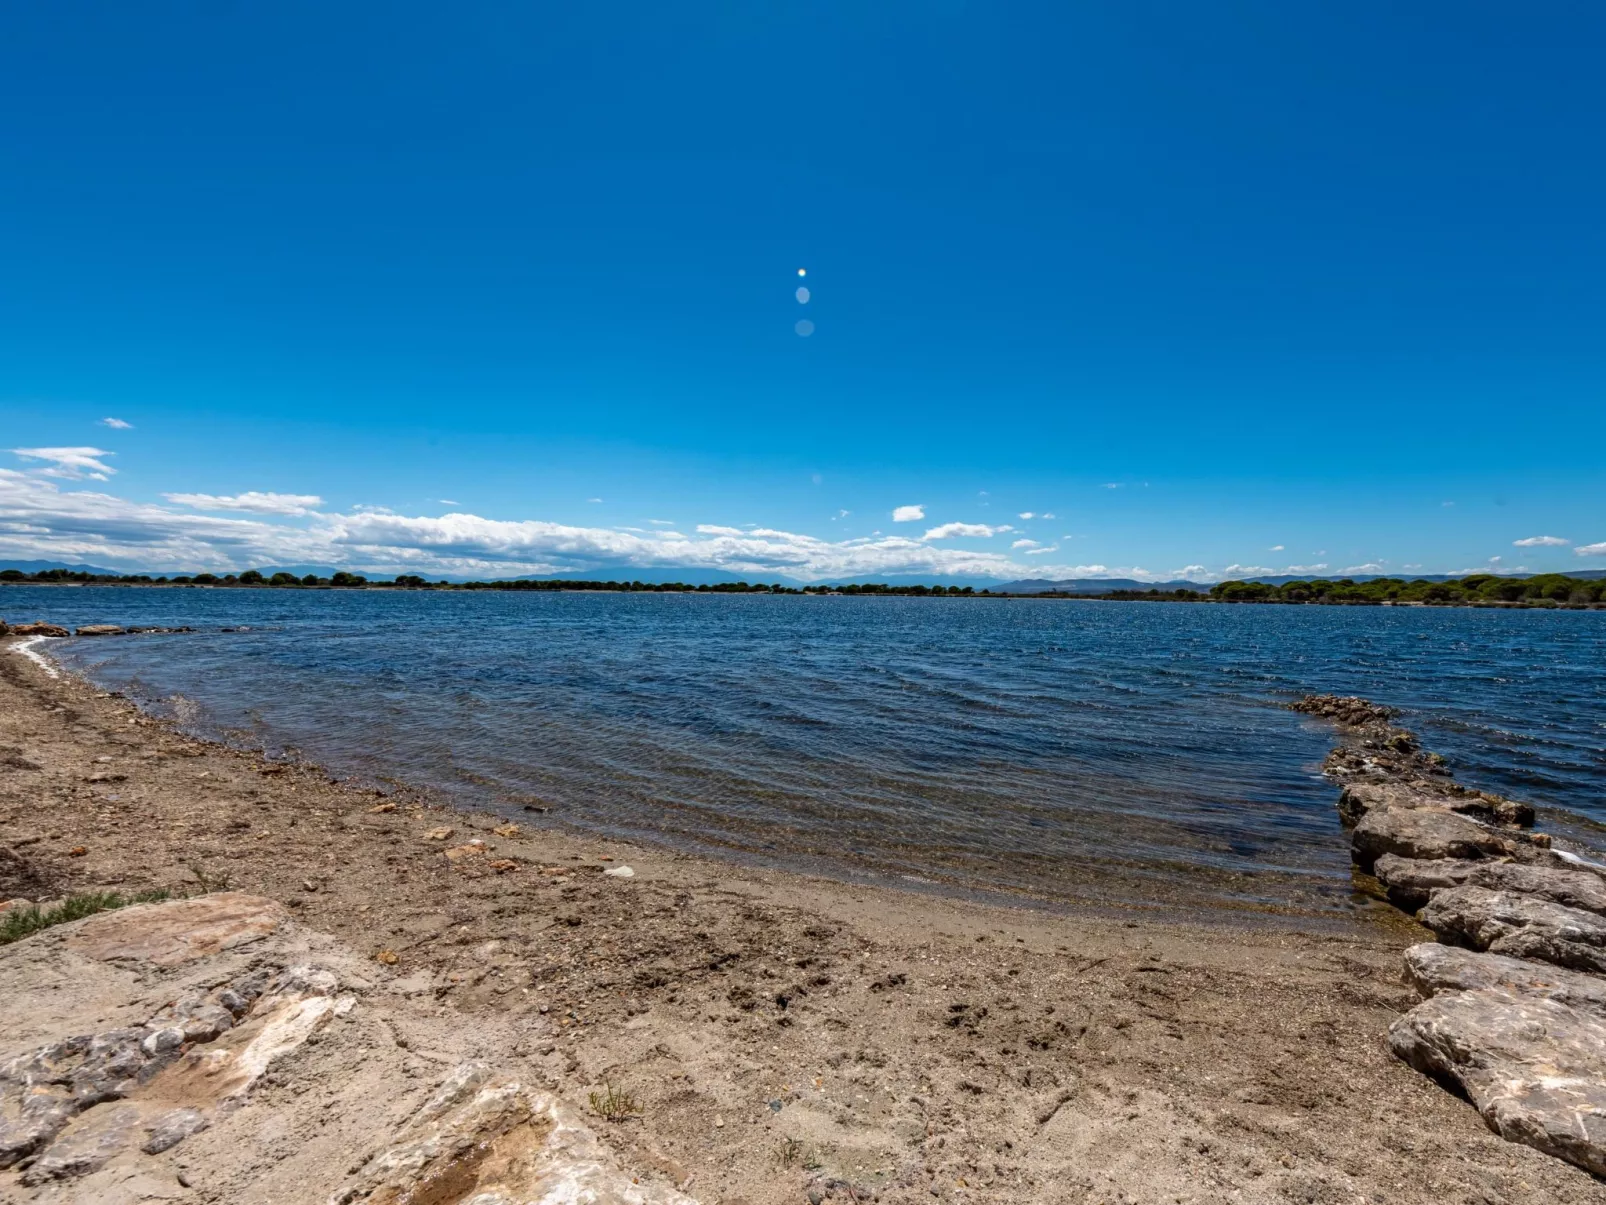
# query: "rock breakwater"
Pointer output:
{"type": "Point", "coordinates": [1514, 990]}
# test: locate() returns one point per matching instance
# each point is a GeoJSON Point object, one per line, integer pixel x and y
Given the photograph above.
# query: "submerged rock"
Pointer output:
{"type": "Point", "coordinates": [1432, 968]}
{"type": "Point", "coordinates": [1535, 1068]}
{"type": "Point", "coordinates": [1505, 922]}
{"type": "Point", "coordinates": [1423, 834]}
{"type": "Point", "coordinates": [1411, 882]}
{"type": "Point", "coordinates": [100, 629]}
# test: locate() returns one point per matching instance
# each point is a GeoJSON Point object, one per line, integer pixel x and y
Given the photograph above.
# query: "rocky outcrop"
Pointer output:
{"type": "Point", "coordinates": [1506, 922]}
{"type": "Point", "coordinates": [1514, 1015]}
{"type": "Point", "coordinates": [38, 629]}
{"type": "Point", "coordinates": [100, 629]}
{"type": "Point", "coordinates": [1410, 882]}
{"type": "Point", "coordinates": [1423, 834]}
{"type": "Point", "coordinates": [1535, 1068]}
{"type": "Point", "coordinates": [1432, 968]}
{"type": "Point", "coordinates": [1359, 798]}
{"type": "Point", "coordinates": [130, 1042]}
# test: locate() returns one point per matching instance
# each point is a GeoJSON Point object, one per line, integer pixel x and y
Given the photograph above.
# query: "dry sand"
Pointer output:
{"type": "Point", "coordinates": [782, 1035]}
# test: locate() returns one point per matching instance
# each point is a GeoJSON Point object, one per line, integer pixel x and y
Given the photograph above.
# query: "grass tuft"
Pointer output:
{"type": "Point", "coordinates": [614, 1104]}
{"type": "Point", "coordinates": [17, 923]}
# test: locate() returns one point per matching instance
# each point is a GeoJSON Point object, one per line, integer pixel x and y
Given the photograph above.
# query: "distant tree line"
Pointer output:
{"type": "Point", "coordinates": [409, 581]}
{"type": "Point", "coordinates": [1544, 589]}
{"type": "Point", "coordinates": [1478, 589]}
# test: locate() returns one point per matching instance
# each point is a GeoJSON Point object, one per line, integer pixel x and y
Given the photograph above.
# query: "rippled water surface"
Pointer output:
{"type": "Point", "coordinates": [1063, 750]}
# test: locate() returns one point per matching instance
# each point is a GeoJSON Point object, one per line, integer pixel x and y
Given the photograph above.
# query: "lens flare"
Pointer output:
{"type": "Point", "coordinates": [802, 296]}
{"type": "Point", "coordinates": [804, 328]}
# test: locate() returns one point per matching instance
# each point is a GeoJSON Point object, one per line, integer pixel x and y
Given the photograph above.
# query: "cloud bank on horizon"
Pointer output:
{"type": "Point", "coordinates": [40, 519]}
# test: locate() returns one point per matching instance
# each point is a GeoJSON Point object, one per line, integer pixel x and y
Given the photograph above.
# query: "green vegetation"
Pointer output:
{"type": "Point", "coordinates": [1478, 589]}
{"type": "Point", "coordinates": [409, 581]}
{"type": "Point", "coordinates": [17, 923]}
{"type": "Point", "coordinates": [1545, 590]}
{"type": "Point", "coordinates": [613, 1104]}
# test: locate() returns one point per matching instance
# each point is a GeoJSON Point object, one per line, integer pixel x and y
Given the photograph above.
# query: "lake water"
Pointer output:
{"type": "Point", "coordinates": [1131, 753]}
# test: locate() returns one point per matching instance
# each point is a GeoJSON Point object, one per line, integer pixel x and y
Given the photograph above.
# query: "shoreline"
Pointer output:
{"type": "Point", "coordinates": [920, 1046]}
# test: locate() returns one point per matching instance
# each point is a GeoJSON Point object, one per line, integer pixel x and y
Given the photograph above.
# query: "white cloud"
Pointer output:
{"type": "Point", "coordinates": [73, 464]}
{"type": "Point", "coordinates": [448, 502]}
{"type": "Point", "coordinates": [1275, 548]}
{"type": "Point", "coordinates": [1043, 551]}
{"type": "Point", "coordinates": [1317, 568]}
{"type": "Point", "coordinates": [1541, 542]}
{"type": "Point", "coordinates": [1024, 544]}
{"type": "Point", "coordinates": [1591, 550]}
{"type": "Point", "coordinates": [116, 424]}
{"type": "Point", "coordinates": [1189, 573]}
{"type": "Point", "coordinates": [1369, 567]}
{"type": "Point", "coordinates": [1048, 514]}
{"type": "Point", "coordinates": [1026, 514]}
{"type": "Point", "coordinates": [908, 514]}
{"type": "Point", "coordinates": [662, 522]}
{"type": "Point", "coordinates": [593, 499]}
{"type": "Point", "coordinates": [975, 530]}
{"type": "Point", "coordinates": [45, 520]}
{"type": "Point", "coordinates": [1249, 571]}
{"type": "Point", "coordinates": [1112, 485]}
{"type": "Point", "coordinates": [1495, 560]}
{"type": "Point", "coordinates": [252, 501]}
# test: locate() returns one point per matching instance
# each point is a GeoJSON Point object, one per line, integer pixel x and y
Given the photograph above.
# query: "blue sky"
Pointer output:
{"type": "Point", "coordinates": [512, 288]}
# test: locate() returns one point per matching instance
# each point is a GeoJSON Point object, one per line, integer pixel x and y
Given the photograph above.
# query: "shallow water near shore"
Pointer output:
{"type": "Point", "coordinates": [1126, 753]}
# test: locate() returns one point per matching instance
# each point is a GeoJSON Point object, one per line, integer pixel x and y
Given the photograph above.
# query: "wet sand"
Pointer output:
{"type": "Point", "coordinates": [785, 1035]}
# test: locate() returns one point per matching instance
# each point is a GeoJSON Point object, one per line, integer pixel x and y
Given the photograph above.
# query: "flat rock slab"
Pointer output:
{"type": "Point", "coordinates": [1422, 833]}
{"type": "Point", "coordinates": [178, 931]}
{"type": "Point", "coordinates": [490, 1140]}
{"type": "Point", "coordinates": [1432, 968]}
{"type": "Point", "coordinates": [1534, 1068]}
{"type": "Point", "coordinates": [1504, 922]}
{"type": "Point", "coordinates": [1410, 882]}
{"type": "Point", "coordinates": [1357, 799]}
{"type": "Point", "coordinates": [137, 1044]}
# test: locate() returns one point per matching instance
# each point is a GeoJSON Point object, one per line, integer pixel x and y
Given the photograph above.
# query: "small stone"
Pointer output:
{"type": "Point", "coordinates": [162, 1041]}
{"type": "Point", "coordinates": [443, 833]}
{"type": "Point", "coordinates": [381, 808]}
{"type": "Point", "coordinates": [620, 872]}
{"type": "Point", "coordinates": [77, 851]}
{"type": "Point", "coordinates": [388, 957]}
{"type": "Point", "coordinates": [170, 1129]}
{"type": "Point", "coordinates": [508, 830]}
{"type": "Point", "coordinates": [719, 1123]}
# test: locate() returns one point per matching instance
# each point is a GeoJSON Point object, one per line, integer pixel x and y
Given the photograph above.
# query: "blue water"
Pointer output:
{"type": "Point", "coordinates": [1058, 750]}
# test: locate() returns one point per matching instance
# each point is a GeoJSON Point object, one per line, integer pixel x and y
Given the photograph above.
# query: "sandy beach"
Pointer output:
{"type": "Point", "coordinates": [788, 1038]}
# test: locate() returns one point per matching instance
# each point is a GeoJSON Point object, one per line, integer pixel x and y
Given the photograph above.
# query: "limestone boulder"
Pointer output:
{"type": "Point", "coordinates": [1359, 798]}
{"type": "Point", "coordinates": [1534, 1068]}
{"type": "Point", "coordinates": [1432, 968]}
{"type": "Point", "coordinates": [1410, 882]}
{"type": "Point", "coordinates": [1422, 834]}
{"type": "Point", "coordinates": [39, 629]}
{"type": "Point", "coordinates": [1505, 922]}
{"type": "Point", "coordinates": [100, 629]}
